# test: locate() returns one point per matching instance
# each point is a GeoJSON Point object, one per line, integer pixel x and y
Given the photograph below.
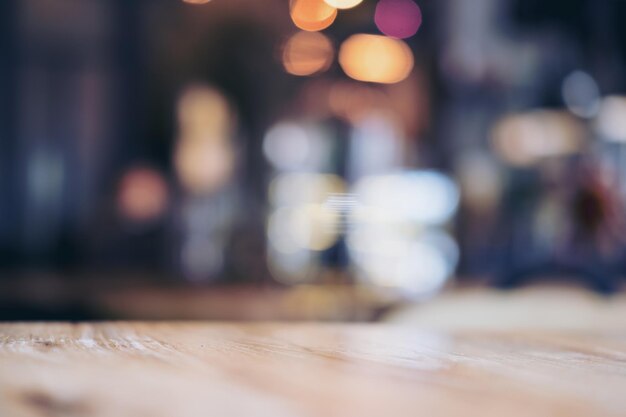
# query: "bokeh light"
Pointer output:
{"type": "Point", "coordinates": [375, 58]}
{"type": "Point", "coordinates": [203, 111]}
{"type": "Point", "coordinates": [343, 4]}
{"type": "Point", "coordinates": [395, 236]}
{"type": "Point", "coordinates": [196, 1]}
{"type": "Point", "coordinates": [301, 224]}
{"type": "Point", "coordinates": [311, 226]}
{"type": "Point", "coordinates": [426, 197]}
{"type": "Point", "coordinates": [480, 179]}
{"type": "Point", "coordinates": [142, 194]}
{"type": "Point", "coordinates": [295, 267]}
{"type": "Point", "coordinates": [312, 15]}
{"type": "Point", "coordinates": [297, 146]}
{"type": "Point", "coordinates": [376, 145]}
{"type": "Point", "coordinates": [398, 18]}
{"type": "Point", "coordinates": [204, 156]}
{"type": "Point", "coordinates": [527, 138]}
{"type": "Point", "coordinates": [611, 121]}
{"type": "Point", "coordinates": [307, 53]}
{"type": "Point", "coordinates": [300, 189]}
{"type": "Point", "coordinates": [581, 94]}
{"type": "Point", "coordinates": [416, 265]}
{"type": "Point", "coordinates": [203, 166]}
{"type": "Point", "coordinates": [287, 145]}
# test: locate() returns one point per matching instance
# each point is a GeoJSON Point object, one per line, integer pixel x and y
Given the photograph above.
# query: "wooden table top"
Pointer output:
{"type": "Point", "coordinates": [215, 369]}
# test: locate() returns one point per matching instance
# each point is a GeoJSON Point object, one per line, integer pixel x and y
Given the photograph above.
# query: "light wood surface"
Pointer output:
{"type": "Point", "coordinates": [201, 369]}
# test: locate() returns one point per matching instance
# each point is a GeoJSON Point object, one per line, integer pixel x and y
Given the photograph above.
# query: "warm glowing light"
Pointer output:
{"type": "Point", "coordinates": [204, 166]}
{"type": "Point", "coordinates": [376, 58]}
{"type": "Point", "coordinates": [611, 121]}
{"type": "Point", "coordinates": [143, 194]}
{"type": "Point", "coordinates": [344, 4]}
{"type": "Point", "coordinates": [203, 111]}
{"type": "Point", "coordinates": [398, 18]}
{"type": "Point", "coordinates": [307, 53]}
{"type": "Point", "coordinates": [524, 139]}
{"type": "Point", "coordinates": [312, 15]}
{"type": "Point", "coordinates": [204, 155]}
{"type": "Point", "coordinates": [196, 1]}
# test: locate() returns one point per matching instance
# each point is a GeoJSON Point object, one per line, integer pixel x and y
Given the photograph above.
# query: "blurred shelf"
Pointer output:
{"type": "Point", "coordinates": [138, 298]}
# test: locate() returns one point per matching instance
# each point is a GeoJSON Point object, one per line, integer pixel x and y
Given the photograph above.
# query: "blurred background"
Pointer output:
{"type": "Point", "coordinates": [311, 159]}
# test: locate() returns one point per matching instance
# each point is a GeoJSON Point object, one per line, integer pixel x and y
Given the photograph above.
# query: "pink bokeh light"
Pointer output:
{"type": "Point", "coordinates": [398, 18]}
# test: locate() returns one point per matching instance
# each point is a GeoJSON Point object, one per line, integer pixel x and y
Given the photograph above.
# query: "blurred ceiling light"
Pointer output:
{"type": "Point", "coordinates": [196, 1]}
{"type": "Point", "coordinates": [343, 4]}
{"type": "Point", "coordinates": [375, 58]}
{"type": "Point", "coordinates": [299, 189]}
{"type": "Point", "coordinates": [398, 18]}
{"type": "Point", "coordinates": [611, 121]}
{"type": "Point", "coordinates": [426, 197]}
{"type": "Point", "coordinates": [581, 94]}
{"type": "Point", "coordinates": [287, 146]}
{"type": "Point", "coordinates": [526, 138]}
{"type": "Point", "coordinates": [307, 53]}
{"type": "Point", "coordinates": [312, 15]}
{"type": "Point", "coordinates": [142, 194]}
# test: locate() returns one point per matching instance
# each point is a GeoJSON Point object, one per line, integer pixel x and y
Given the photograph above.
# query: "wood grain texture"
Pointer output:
{"type": "Point", "coordinates": [198, 369]}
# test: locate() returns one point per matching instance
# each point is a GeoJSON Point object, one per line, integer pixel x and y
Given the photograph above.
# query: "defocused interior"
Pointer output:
{"type": "Point", "coordinates": [439, 162]}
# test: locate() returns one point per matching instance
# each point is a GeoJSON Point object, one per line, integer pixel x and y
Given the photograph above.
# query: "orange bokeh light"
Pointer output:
{"type": "Point", "coordinates": [312, 15]}
{"type": "Point", "coordinates": [375, 58]}
{"type": "Point", "coordinates": [307, 53]}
